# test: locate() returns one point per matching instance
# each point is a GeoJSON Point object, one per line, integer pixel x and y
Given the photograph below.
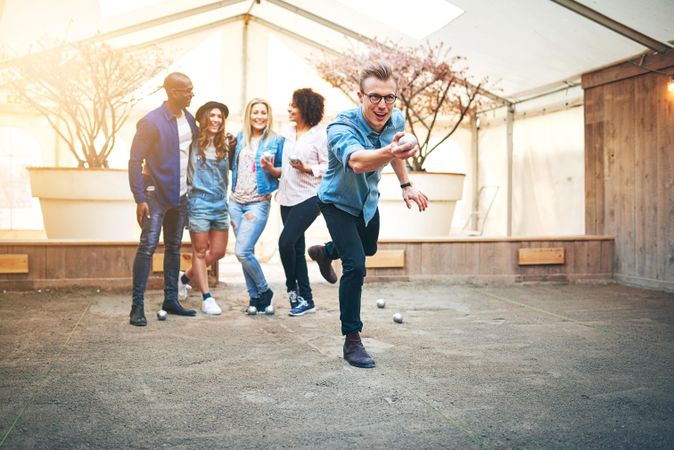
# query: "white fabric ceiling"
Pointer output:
{"type": "Point", "coordinates": [525, 47]}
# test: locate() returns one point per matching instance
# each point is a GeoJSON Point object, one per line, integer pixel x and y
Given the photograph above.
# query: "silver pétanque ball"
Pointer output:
{"type": "Point", "coordinates": [407, 138]}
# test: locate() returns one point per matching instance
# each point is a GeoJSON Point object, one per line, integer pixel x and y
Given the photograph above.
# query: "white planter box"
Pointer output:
{"type": "Point", "coordinates": [442, 189]}
{"type": "Point", "coordinates": [85, 203]}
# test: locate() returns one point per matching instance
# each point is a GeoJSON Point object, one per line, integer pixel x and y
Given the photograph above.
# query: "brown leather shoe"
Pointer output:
{"type": "Point", "coordinates": [317, 253]}
{"type": "Point", "coordinates": [355, 354]}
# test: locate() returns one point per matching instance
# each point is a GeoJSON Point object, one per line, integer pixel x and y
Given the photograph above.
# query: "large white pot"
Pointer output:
{"type": "Point", "coordinates": [85, 203]}
{"type": "Point", "coordinates": [443, 190]}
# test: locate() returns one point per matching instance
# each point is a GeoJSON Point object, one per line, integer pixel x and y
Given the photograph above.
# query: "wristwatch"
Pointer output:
{"type": "Point", "coordinates": [404, 185]}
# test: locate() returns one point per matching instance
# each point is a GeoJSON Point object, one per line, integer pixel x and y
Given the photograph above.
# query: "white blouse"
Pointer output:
{"type": "Point", "coordinates": [296, 186]}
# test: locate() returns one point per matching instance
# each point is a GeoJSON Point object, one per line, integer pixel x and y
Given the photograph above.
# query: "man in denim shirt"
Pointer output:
{"type": "Point", "coordinates": [361, 141]}
{"type": "Point", "coordinates": [158, 181]}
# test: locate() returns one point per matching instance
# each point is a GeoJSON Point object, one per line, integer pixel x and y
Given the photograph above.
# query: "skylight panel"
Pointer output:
{"type": "Point", "coordinates": [418, 18]}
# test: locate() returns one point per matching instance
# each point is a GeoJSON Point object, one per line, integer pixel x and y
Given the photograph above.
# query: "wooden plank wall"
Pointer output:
{"type": "Point", "coordinates": [65, 264]}
{"type": "Point", "coordinates": [496, 260]}
{"type": "Point", "coordinates": [629, 168]}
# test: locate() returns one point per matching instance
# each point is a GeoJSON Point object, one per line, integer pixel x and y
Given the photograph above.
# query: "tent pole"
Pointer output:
{"type": "Point", "coordinates": [244, 63]}
{"type": "Point", "coordinates": [509, 187]}
{"type": "Point", "coordinates": [475, 169]}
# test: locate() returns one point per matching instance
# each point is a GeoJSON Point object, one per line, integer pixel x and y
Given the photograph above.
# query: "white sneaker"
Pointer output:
{"type": "Point", "coordinates": [209, 306]}
{"type": "Point", "coordinates": [182, 288]}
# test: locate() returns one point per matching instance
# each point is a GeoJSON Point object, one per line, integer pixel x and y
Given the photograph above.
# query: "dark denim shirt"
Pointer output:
{"type": "Point", "coordinates": [157, 143]}
{"type": "Point", "coordinates": [355, 193]}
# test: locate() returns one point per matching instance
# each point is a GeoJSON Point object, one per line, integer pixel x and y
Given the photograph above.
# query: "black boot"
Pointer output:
{"type": "Point", "coordinates": [137, 316]}
{"type": "Point", "coordinates": [177, 309]}
{"type": "Point", "coordinates": [354, 352]}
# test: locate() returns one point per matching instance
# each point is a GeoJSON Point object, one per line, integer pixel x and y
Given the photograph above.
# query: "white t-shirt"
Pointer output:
{"type": "Point", "coordinates": [184, 139]}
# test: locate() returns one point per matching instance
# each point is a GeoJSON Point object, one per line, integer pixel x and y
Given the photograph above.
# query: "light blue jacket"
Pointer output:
{"type": "Point", "coordinates": [266, 183]}
{"type": "Point", "coordinates": [355, 193]}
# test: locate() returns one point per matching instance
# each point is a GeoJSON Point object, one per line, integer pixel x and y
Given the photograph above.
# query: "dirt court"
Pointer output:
{"type": "Point", "coordinates": [540, 366]}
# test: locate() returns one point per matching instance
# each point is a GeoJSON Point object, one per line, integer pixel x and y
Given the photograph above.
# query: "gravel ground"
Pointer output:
{"type": "Point", "coordinates": [541, 366]}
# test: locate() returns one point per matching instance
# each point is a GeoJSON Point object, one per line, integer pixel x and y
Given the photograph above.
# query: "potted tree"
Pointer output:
{"type": "Point", "coordinates": [435, 98]}
{"type": "Point", "coordinates": [85, 91]}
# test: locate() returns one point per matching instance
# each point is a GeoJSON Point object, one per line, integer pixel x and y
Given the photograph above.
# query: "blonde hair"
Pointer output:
{"type": "Point", "coordinates": [248, 126]}
{"type": "Point", "coordinates": [378, 70]}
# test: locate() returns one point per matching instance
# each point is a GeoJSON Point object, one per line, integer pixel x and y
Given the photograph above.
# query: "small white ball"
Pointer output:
{"type": "Point", "coordinates": [269, 310]}
{"type": "Point", "coordinates": [398, 318]}
{"type": "Point", "coordinates": [251, 311]}
{"type": "Point", "coordinates": [381, 303]}
{"type": "Point", "coordinates": [161, 314]}
{"type": "Point", "coordinates": [408, 138]}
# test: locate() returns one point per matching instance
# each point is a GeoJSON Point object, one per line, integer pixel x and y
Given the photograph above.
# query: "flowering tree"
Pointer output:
{"type": "Point", "coordinates": [430, 86]}
{"type": "Point", "coordinates": [86, 92]}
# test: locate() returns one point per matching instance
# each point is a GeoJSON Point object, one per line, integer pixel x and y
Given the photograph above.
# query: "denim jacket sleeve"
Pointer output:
{"type": "Point", "coordinates": [145, 137]}
{"type": "Point", "coordinates": [342, 142]}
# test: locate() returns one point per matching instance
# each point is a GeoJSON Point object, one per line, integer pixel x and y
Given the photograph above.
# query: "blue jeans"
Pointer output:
{"type": "Point", "coordinates": [296, 219]}
{"type": "Point", "coordinates": [352, 241]}
{"type": "Point", "coordinates": [249, 221]}
{"type": "Point", "coordinates": [172, 220]}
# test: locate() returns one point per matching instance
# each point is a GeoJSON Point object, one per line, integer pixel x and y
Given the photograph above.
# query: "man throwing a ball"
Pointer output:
{"type": "Point", "coordinates": [361, 141]}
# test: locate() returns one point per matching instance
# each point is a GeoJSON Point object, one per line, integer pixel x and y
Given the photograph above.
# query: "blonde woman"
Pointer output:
{"type": "Point", "coordinates": [256, 166]}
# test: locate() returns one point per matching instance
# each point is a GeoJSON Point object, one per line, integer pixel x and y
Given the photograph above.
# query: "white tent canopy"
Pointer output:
{"type": "Point", "coordinates": [525, 46]}
{"type": "Point", "coordinates": [529, 153]}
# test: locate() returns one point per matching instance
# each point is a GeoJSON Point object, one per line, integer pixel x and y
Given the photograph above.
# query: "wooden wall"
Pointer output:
{"type": "Point", "coordinates": [586, 258]}
{"type": "Point", "coordinates": [72, 263]}
{"type": "Point", "coordinates": [629, 167]}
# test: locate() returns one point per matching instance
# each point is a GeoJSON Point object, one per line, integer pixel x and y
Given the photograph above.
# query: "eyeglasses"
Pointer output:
{"type": "Point", "coordinates": [376, 98]}
{"type": "Point", "coordinates": [185, 91]}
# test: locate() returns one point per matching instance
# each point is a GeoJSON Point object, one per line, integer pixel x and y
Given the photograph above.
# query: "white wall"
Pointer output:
{"type": "Point", "coordinates": [548, 173]}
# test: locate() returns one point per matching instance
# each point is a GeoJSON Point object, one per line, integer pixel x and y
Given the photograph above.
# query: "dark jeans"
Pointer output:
{"type": "Point", "coordinates": [351, 242]}
{"type": "Point", "coordinates": [173, 221]}
{"type": "Point", "coordinates": [296, 219]}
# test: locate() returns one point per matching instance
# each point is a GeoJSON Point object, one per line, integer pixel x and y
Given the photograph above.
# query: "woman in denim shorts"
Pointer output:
{"type": "Point", "coordinates": [208, 216]}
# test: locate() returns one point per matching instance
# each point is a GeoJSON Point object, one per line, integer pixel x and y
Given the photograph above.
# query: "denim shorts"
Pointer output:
{"type": "Point", "coordinates": [204, 215]}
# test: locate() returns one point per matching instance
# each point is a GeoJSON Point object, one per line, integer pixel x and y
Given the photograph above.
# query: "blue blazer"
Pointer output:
{"type": "Point", "coordinates": [157, 143]}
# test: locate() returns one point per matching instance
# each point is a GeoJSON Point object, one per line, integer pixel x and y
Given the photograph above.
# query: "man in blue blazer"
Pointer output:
{"type": "Point", "coordinates": [158, 181]}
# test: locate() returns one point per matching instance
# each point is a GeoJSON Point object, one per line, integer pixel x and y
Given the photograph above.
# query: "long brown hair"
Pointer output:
{"type": "Point", "coordinates": [219, 140]}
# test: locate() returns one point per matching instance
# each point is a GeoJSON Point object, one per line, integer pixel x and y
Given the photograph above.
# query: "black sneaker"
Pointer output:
{"type": "Point", "coordinates": [253, 306]}
{"type": "Point", "coordinates": [264, 305]}
{"type": "Point", "coordinates": [303, 307]}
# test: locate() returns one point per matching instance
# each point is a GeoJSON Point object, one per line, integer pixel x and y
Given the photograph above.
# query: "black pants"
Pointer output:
{"type": "Point", "coordinates": [296, 219]}
{"type": "Point", "coordinates": [352, 241]}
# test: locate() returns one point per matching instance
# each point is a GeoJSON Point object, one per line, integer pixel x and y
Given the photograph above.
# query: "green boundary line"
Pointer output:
{"type": "Point", "coordinates": [29, 403]}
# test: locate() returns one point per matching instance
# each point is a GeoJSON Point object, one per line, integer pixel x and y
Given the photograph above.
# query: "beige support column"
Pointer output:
{"type": "Point", "coordinates": [509, 187]}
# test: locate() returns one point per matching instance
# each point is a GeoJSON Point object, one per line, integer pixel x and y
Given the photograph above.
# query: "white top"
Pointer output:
{"type": "Point", "coordinates": [185, 140]}
{"type": "Point", "coordinates": [312, 148]}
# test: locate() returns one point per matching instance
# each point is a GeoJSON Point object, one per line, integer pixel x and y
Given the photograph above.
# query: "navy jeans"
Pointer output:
{"type": "Point", "coordinates": [172, 220]}
{"type": "Point", "coordinates": [351, 242]}
{"type": "Point", "coordinates": [291, 245]}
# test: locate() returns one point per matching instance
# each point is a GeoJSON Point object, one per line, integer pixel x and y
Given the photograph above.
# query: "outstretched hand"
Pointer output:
{"type": "Point", "coordinates": [404, 151]}
{"type": "Point", "coordinates": [412, 194]}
